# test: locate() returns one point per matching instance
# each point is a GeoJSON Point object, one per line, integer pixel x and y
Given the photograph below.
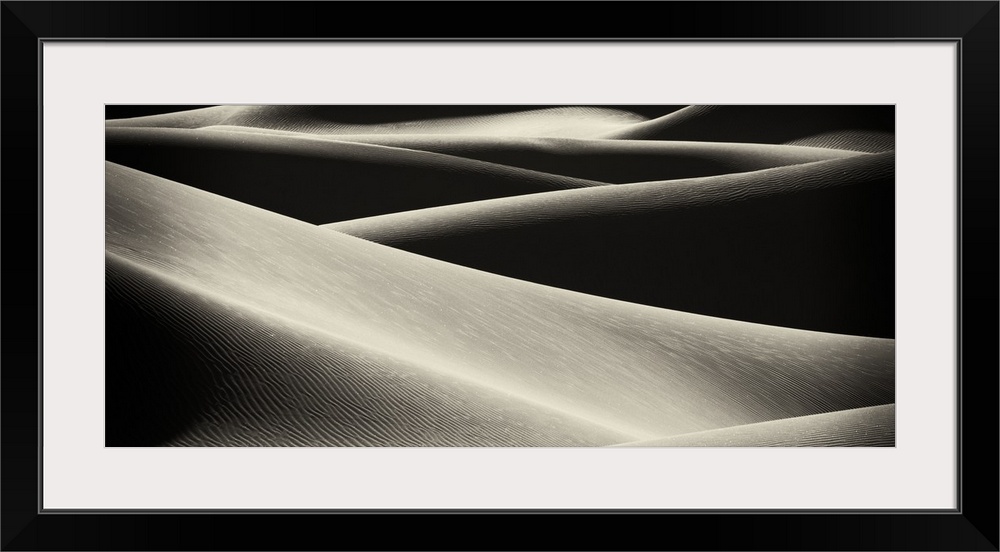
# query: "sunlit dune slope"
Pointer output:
{"type": "Point", "coordinates": [872, 141]}
{"type": "Point", "coordinates": [333, 179]}
{"type": "Point", "coordinates": [866, 128]}
{"type": "Point", "coordinates": [565, 122]}
{"type": "Point", "coordinates": [766, 124]}
{"type": "Point", "coordinates": [613, 161]}
{"type": "Point", "coordinates": [873, 426]}
{"type": "Point", "coordinates": [320, 181]}
{"type": "Point", "coordinates": [806, 246]}
{"type": "Point", "coordinates": [278, 321]}
{"type": "Point", "coordinates": [192, 368]}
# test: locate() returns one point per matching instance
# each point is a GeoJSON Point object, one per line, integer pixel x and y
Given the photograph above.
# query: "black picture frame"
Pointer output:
{"type": "Point", "coordinates": [973, 525]}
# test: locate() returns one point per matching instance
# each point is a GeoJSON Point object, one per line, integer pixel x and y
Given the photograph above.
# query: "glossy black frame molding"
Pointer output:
{"type": "Point", "coordinates": [972, 526]}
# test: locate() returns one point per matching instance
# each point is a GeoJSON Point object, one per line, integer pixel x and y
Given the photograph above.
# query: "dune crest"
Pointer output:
{"type": "Point", "coordinates": [500, 275]}
{"type": "Point", "coordinates": [612, 161]}
{"type": "Point", "coordinates": [566, 122]}
{"type": "Point", "coordinates": [764, 124]}
{"type": "Point", "coordinates": [649, 372]}
{"type": "Point", "coordinates": [321, 181]}
{"type": "Point", "coordinates": [799, 246]}
{"type": "Point", "coordinates": [874, 426]}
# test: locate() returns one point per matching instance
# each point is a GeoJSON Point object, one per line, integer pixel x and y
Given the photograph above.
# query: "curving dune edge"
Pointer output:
{"type": "Point", "coordinates": [712, 276]}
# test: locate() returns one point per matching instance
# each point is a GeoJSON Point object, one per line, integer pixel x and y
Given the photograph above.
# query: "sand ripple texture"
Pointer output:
{"type": "Point", "coordinates": [501, 276]}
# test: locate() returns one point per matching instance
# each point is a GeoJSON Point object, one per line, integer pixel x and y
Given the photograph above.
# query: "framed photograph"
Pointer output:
{"type": "Point", "coordinates": [713, 277]}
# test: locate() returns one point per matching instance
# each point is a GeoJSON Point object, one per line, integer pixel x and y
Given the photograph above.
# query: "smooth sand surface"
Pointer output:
{"type": "Point", "coordinates": [287, 333]}
{"type": "Point", "coordinates": [759, 124]}
{"type": "Point", "coordinates": [565, 122]}
{"type": "Point", "coordinates": [871, 141]}
{"type": "Point", "coordinates": [612, 161]}
{"type": "Point", "coordinates": [320, 181]}
{"type": "Point", "coordinates": [799, 246]}
{"type": "Point", "coordinates": [507, 275]}
{"type": "Point", "coordinates": [764, 124]}
{"type": "Point", "coordinates": [873, 426]}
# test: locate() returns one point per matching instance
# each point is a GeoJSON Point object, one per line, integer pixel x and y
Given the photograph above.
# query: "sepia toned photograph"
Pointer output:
{"type": "Point", "coordinates": [500, 276]}
{"type": "Point", "coordinates": [681, 273]}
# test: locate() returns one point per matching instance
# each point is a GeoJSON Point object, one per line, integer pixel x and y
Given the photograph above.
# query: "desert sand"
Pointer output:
{"type": "Point", "coordinates": [499, 276]}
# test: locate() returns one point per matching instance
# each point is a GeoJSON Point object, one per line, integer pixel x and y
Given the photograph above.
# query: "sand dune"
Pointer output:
{"type": "Point", "coordinates": [872, 141]}
{"type": "Point", "coordinates": [320, 181]}
{"type": "Point", "coordinates": [191, 368]}
{"type": "Point", "coordinates": [507, 275]}
{"type": "Point", "coordinates": [304, 332]}
{"type": "Point", "coordinates": [613, 161]}
{"type": "Point", "coordinates": [800, 246]}
{"type": "Point", "coordinates": [873, 426]}
{"type": "Point", "coordinates": [343, 178]}
{"type": "Point", "coordinates": [767, 124]}
{"type": "Point", "coordinates": [565, 122]}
